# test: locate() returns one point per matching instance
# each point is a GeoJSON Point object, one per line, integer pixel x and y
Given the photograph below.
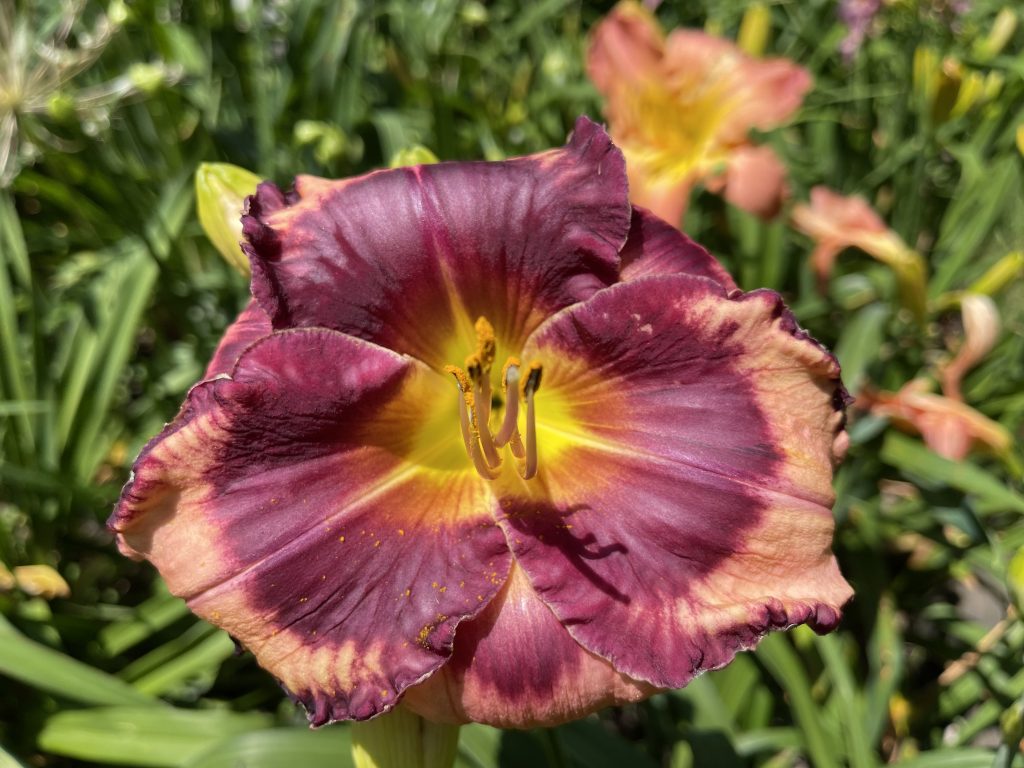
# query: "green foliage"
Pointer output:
{"type": "Point", "coordinates": [112, 300]}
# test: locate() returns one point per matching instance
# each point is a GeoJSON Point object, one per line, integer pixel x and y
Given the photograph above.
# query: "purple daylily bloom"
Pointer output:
{"type": "Point", "coordinates": [490, 442]}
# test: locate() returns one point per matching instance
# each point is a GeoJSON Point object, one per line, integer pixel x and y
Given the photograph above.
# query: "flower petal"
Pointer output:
{"type": "Point", "coordinates": [409, 256]}
{"type": "Point", "coordinates": [759, 93]}
{"type": "Point", "coordinates": [298, 505]}
{"type": "Point", "coordinates": [755, 180]}
{"type": "Point", "coordinates": [626, 47]}
{"type": "Point", "coordinates": [252, 323]}
{"type": "Point", "coordinates": [687, 442]}
{"type": "Point", "coordinates": [655, 248]}
{"type": "Point", "coordinates": [553, 679]}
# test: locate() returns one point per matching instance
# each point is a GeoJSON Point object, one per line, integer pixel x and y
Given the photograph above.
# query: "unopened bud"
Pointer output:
{"type": "Point", "coordinates": [1002, 30]}
{"type": "Point", "coordinates": [7, 581]}
{"type": "Point", "coordinates": [755, 29]}
{"type": "Point", "coordinates": [147, 78]}
{"type": "Point", "coordinates": [41, 581]}
{"type": "Point", "coordinates": [221, 189]}
{"type": "Point", "coordinates": [414, 155]}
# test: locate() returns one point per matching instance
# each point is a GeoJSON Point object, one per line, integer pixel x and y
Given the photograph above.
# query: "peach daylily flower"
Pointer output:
{"type": "Point", "coordinates": [949, 427]}
{"type": "Point", "coordinates": [682, 106]}
{"type": "Point", "coordinates": [836, 222]}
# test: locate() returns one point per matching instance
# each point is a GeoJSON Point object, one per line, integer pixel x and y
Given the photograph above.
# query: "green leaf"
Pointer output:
{"type": "Point", "coordinates": [589, 744]}
{"type": "Point", "coordinates": [151, 616]}
{"type": "Point", "coordinates": [328, 747]}
{"type": "Point", "coordinates": [914, 458]}
{"type": "Point", "coordinates": [7, 760]}
{"type": "Point", "coordinates": [951, 758]}
{"type": "Point", "coordinates": [479, 746]}
{"type": "Point", "coordinates": [850, 702]}
{"type": "Point", "coordinates": [116, 340]}
{"type": "Point", "coordinates": [861, 342]}
{"type": "Point", "coordinates": [204, 659]}
{"type": "Point", "coordinates": [49, 670]}
{"type": "Point", "coordinates": [160, 738]}
{"type": "Point", "coordinates": [776, 653]}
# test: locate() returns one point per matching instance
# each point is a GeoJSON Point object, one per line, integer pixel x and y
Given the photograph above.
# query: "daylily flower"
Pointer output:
{"type": "Point", "coordinates": [488, 440]}
{"type": "Point", "coordinates": [682, 108]}
{"type": "Point", "coordinates": [836, 222]}
{"type": "Point", "coordinates": [949, 427]}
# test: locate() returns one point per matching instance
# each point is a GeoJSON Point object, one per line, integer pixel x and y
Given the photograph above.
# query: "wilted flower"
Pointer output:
{"type": "Point", "coordinates": [682, 109]}
{"type": "Point", "coordinates": [949, 427]}
{"type": "Point", "coordinates": [625, 482]}
{"type": "Point", "coordinates": [836, 222]}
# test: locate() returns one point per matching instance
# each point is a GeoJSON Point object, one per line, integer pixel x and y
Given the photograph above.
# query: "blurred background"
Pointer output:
{"type": "Point", "coordinates": [112, 300]}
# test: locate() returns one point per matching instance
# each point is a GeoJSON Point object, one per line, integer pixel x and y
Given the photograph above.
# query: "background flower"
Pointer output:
{"type": "Point", "coordinates": [682, 108]}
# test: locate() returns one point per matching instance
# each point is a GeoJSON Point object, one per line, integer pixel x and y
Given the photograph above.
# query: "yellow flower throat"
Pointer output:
{"type": "Point", "coordinates": [475, 403]}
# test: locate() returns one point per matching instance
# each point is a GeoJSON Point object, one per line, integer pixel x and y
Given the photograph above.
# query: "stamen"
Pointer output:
{"type": "Point", "coordinates": [530, 385]}
{"type": "Point", "coordinates": [483, 415]}
{"type": "Point", "coordinates": [471, 433]}
{"type": "Point", "coordinates": [509, 383]}
{"type": "Point", "coordinates": [475, 408]}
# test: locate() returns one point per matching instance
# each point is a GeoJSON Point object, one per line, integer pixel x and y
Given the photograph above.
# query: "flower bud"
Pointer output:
{"type": "Point", "coordinates": [414, 155]}
{"type": "Point", "coordinates": [755, 29]}
{"type": "Point", "coordinates": [221, 189]}
{"type": "Point", "coordinates": [1002, 31]}
{"type": "Point", "coordinates": [7, 581]}
{"type": "Point", "coordinates": [41, 581]}
{"type": "Point", "coordinates": [1015, 578]}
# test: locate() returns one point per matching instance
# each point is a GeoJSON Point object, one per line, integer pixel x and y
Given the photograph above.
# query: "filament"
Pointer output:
{"type": "Point", "coordinates": [474, 384]}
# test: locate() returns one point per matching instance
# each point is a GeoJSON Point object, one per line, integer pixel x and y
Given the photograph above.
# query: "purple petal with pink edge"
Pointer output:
{"type": "Point", "coordinates": [409, 258]}
{"type": "Point", "coordinates": [656, 248]}
{"type": "Point", "coordinates": [251, 324]}
{"type": "Point", "coordinates": [293, 505]}
{"type": "Point", "coordinates": [687, 438]}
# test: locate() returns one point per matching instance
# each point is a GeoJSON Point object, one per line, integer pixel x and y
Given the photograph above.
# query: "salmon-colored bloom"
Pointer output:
{"type": "Point", "coordinates": [369, 501]}
{"type": "Point", "coordinates": [949, 427]}
{"type": "Point", "coordinates": [682, 108]}
{"type": "Point", "coordinates": [836, 222]}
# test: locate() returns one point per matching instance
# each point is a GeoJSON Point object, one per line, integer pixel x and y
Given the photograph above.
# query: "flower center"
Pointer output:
{"type": "Point", "coordinates": [476, 401]}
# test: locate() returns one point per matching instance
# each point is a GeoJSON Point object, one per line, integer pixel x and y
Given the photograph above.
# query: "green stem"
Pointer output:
{"type": "Point", "coordinates": [402, 739]}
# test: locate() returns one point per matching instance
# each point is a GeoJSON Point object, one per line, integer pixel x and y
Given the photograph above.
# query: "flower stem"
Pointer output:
{"type": "Point", "coordinates": [402, 739]}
